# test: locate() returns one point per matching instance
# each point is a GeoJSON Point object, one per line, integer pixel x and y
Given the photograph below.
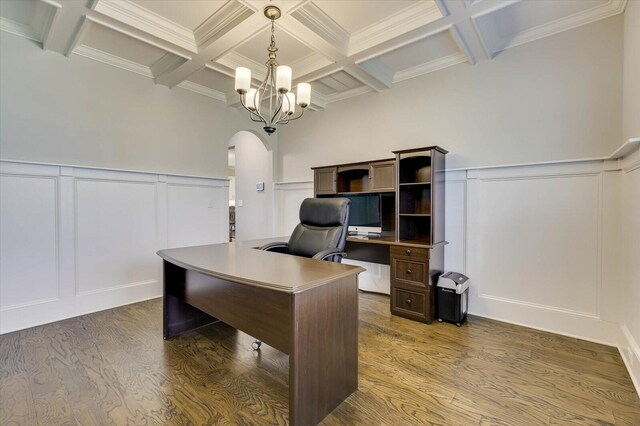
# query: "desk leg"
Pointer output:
{"type": "Point", "coordinates": [323, 366]}
{"type": "Point", "coordinates": [178, 316]}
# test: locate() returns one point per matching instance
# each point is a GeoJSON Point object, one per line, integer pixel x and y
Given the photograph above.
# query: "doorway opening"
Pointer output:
{"type": "Point", "coordinates": [232, 193]}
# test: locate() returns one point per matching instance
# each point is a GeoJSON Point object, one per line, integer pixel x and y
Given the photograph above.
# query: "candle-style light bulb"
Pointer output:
{"type": "Point", "coordinates": [304, 94]}
{"type": "Point", "coordinates": [243, 80]}
{"type": "Point", "coordinates": [283, 79]}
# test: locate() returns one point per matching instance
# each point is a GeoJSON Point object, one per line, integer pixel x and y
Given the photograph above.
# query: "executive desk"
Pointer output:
{"type": "Point", "coordinates": [305, 308]}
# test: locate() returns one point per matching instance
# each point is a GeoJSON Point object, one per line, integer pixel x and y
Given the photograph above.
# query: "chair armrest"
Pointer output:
{"type": "Point", "coordinates": [324, 254]}
{"type": "Point", "coordinates": [278, 246]}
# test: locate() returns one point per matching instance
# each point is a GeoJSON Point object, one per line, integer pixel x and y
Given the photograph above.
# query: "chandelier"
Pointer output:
{"type": "Point", "coordinates": [272, 103]}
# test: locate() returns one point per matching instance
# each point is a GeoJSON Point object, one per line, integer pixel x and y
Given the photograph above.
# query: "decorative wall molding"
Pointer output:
{"type": "Point", "coordinates": [125, 275]}
{"type": "Point", "coordinates": [138, 17]}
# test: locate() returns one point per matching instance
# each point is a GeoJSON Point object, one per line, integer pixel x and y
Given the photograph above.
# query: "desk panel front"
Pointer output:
{"type": "Point", "coordinates": [314, 321]}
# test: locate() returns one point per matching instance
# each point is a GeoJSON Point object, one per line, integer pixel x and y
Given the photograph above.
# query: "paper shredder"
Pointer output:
{"type": "Point", "coordinates": [453, 297]}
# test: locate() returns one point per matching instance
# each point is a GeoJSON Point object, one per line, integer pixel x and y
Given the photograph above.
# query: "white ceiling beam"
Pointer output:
{"type": "Point", "coordinates": [68, 23]}
{"type": "Point", "coordinates": [226, 42]}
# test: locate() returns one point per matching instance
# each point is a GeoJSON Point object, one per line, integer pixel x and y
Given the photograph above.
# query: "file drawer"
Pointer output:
{"type": "Point", "coordinates": [406, 302]}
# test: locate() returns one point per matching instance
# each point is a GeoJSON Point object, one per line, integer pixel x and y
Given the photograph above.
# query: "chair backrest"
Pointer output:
{"type": "Point", "coordinates": [324, 224]}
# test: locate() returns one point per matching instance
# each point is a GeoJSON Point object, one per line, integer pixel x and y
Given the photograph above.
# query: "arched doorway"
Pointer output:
{"type": "Point", "coordinates": [253, 185]}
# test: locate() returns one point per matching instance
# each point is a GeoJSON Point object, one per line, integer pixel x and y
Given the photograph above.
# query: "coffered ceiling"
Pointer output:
{"type": "Point", "coordinates": [344, 48]}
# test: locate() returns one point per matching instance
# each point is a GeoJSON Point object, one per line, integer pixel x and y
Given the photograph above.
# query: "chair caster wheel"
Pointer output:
{"type": "Point", "coordinates": [256, 345]}
{"type": "Point", "coordinates": [458, 324]}
{"type": "Point", "coordinates": [439, 319]}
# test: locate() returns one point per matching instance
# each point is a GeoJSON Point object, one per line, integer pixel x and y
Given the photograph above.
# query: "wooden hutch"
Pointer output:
{"type": "Point", "coordinates": [412, 218]}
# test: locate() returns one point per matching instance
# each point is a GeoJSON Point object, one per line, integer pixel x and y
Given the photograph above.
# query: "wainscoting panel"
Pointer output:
{"type": "Point", "coordinates": [288, 197]}
{"type": "Point", "coordinates": [29, 243]}
{"type": "Point", "coordinates": [197, 213]}
{"type": "Point", "coordinates": [115, 234]}
{"type": "Point", "coordinates": [630, 210]}
{"type": "Point", "coordinates": [539, 241]}
{"type": "Point", "coordinates": [76, 240]}
{"type": "Point", "coordinates": [455, 221]}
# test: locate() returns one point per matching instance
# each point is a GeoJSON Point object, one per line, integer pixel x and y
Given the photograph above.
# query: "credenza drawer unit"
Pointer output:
{"type": "Point", "coordinates": [409, 303]}
{"type": "Point", "coordinates": [411, 272]}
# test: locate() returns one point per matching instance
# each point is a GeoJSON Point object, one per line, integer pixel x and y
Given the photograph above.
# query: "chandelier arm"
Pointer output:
{"type": "Point", "coordinates": [252, 114]}
{"type": "Point", "coordinates": [291, 118]}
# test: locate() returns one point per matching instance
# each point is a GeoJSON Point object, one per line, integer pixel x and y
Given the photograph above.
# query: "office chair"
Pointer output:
{"type": "Point", "coordinates": [321, 233]}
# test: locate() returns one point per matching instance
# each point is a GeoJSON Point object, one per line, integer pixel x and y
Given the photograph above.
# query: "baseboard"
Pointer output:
{"type": "Point", "coordinates": [61, 309]}
{"type": "Point", "coordinates": [630, 352]}
{"type": "Point", "coordinates": [563, 322]}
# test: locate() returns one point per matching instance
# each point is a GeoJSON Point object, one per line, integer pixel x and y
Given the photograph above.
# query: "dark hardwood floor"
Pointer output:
{"type": "Point", "coordinates": [113, 367]}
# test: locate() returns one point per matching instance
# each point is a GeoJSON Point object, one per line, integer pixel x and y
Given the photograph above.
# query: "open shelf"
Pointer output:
{"type": "Point", "coordinates": [415, 169]}
{"type": "Point", "coordinates": [415, 228]}
{"type": "Point", "coordinates": [415, 199]}
{"type": "Point", "coordinates": [415, 215]}
{"type": "Point", "coordinates": [353, 180]}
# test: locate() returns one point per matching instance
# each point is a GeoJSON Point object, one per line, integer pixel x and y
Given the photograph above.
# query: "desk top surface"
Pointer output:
{"type": "Point", "coordinates": [241, 262]}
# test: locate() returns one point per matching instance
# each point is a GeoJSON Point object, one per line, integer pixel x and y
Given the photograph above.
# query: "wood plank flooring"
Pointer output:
{"type": "Point", "coordinates": [113, 367]}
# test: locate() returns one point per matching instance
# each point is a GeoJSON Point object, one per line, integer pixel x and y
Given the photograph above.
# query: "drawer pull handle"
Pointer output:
{"type": "Point", "coordinates": [408, 301]}
{"type": "Point", "coordinates": [408, 252]}
{"type": "Point", "coordinates": [408, 271]}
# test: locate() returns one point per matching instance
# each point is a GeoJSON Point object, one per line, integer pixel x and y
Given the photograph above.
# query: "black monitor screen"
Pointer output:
{"type": "Point", "coordinates": [365, 210]}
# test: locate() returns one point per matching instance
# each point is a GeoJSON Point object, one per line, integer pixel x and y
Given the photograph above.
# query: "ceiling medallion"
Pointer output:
{"type": "Point", "coordinates": [272, 103]}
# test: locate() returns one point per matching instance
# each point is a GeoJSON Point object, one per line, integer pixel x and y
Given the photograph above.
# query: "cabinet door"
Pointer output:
{"type": "Point", "coordinates": [383, 176]}
{"type": "Point", "coordinates": [325, 180]}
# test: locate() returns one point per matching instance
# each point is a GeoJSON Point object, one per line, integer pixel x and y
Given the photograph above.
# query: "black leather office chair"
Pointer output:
{"type": "Point", "coordinates": [321, 233]}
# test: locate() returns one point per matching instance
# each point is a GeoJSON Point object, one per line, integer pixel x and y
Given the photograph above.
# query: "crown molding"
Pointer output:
{"type": "Point", "coordinates": [203, 90]}
{"type": "Point", "coordinates": [13, 27]}
{"type": "Point", "coordinates": [318, 100]}
{"type": "Point", "coordinates": [109, 59]}
{"type": "Point", "coordinates": [231, 14]}
{"type": "Point", "coordinates": [308, 64]}
{"type": "Point", "coordinates": [431, 66]}
{"type": "Point", "coordinates": [340, 96]}
{"type": "Point", "coordinates": [611, 8]}
{"type": "Point", "coordinates": [233, 60]}
{"type": "Point", "coordinates": [145, 20]}
{"type": "Point", "coordinates": [320, 23]}
{"type": "Point", "coordinates": [408, 19]}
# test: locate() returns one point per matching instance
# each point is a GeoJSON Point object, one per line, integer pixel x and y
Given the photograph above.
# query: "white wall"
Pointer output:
{"type": "Point", "coordinates": [75, 240]}
{"type": "Point", "coordinates": [631, 70]}
{"type": "Point", "coordinates": [254, 163]}
{"type": "Point", "coordinates": [552, 99]}
{"type": "Point", "coordinates": [79, 111]}
{"type": "Point", "coordinates": [542, 244]}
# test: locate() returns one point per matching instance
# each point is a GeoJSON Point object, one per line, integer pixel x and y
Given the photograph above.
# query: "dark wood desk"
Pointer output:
{"type": "Point", "coordinates": [305, 308]}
